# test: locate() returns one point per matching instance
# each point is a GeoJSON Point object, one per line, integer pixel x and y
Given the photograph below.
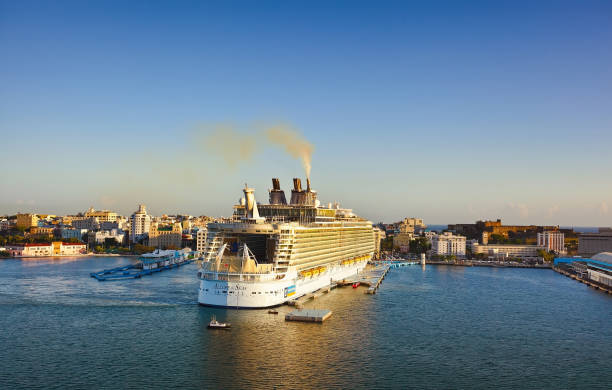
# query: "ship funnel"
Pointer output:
{"type": "Point", "coordinates": [277, 196]}
{"type": "Point", "coordinates": [299, 196]}
{"type": "Point", "coordinates": [297, 184]}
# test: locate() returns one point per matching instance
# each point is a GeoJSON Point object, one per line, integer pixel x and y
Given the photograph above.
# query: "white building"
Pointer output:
{"type": "Point", "coordinates": [4, 224]}
{"type": "Point", "coordinates": [201, 239]}
{"type": "Point", "coordinates": [505, 251]}
{"type": "Point", "coordinates": [140, 224]}
{"type": "Point", "coordinates": [101, 236]}
{"type": "Point", "coordinates": [56, 248]}
{"type": "Point", "coordinates": [448, 244]}
{"type": "Point", "coordinates": [552, 241]}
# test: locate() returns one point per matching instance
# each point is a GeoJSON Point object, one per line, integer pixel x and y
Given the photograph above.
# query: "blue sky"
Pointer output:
{"type": "Point", "coordinates": [445, 110]}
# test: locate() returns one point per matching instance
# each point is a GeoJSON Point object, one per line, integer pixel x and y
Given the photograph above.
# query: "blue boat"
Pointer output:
{"type": "Point", "coordinates": [149, 263]}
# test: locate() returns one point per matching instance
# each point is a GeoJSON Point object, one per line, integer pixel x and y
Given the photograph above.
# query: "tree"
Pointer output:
{"type": "Point", "coordinates": [547, 256]}
{"type": "Point", "coordinates": [99, 249]}
{"type": "Point", "coordinates": [110, 242]}
{"type": "Point", "coordinates": [497, 239]}
{"type": "Point", "coordinates": [386, 244]}
{"type": "Point", "coordinates": [419, 245]}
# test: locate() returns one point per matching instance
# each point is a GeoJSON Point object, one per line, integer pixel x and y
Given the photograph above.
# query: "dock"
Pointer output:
{"type": "Point", "coordinates": [374, 277]}
{"type": "Point", "coordinates": [299, 302]}
{"type": "Point", "coordinates": [308, 315]}
{"type": "Point", "coordinates": [371, 277]}
{"type": "Point", "coordinates": [131, 272]}
{"type": "Point", "coordinates": [588, 282]}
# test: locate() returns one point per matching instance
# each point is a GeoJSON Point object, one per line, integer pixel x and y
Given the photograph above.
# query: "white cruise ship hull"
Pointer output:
{"type": "Point", "coordinates": [252, 295]}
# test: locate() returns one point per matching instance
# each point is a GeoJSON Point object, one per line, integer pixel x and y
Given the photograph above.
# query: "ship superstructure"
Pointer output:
{"type": "Point", "coordinates": [266, 254]}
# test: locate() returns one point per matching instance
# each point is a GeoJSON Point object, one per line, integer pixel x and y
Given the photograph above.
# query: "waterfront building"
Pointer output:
{"type": "Point", "coordinates": [165, 236]}
{"type": "Point", "coordinates": [27, 220]}
{"type": "Point", "coordinates": [56, 248]}
{"type": "Point", "coordinates": [447, 244]}
{"type": "Point", "coordinates": [503, 251]}
{"type": "Point", "coordinates": [140, 224]}
{"type": "Point", "coordinates": [201, 239]}
{"type": "Point", "coordinates": [596, 269]}
{"type": "Point", "coordinates": [590, 244]}
{"type": "Point", "coordinates": [101, 215]}
{"type": "Point", "coordinates": [100, 237]}
{"type": "Point", "coordinates": [601, 272]}
{"type": "Point", "coordinates": [552, 241]}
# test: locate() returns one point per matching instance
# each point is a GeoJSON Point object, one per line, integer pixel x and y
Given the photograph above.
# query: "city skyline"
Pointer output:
{"type": "Point", "coordinates": [452, 114]}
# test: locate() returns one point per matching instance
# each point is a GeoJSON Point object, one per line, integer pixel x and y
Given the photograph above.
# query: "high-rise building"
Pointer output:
{"type": "Point", "coordinates": [552, 241]}
{"type": "Point", "coordinates": [379, 235]}
{"type": "Point", "coordinates": [140, 224]}
{"type": "Point", "coordinates": [201, 239]}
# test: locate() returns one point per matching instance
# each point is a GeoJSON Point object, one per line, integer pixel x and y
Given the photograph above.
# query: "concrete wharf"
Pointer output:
{"type": "Point", "coordinates": [588, 282]}
{"type": "Point", "coordinates": [308, 315]}
{"type": "Point", "coordinates": [299, 302]}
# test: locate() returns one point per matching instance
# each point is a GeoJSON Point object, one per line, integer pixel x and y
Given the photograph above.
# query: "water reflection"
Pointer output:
{"type": "Point", "coordinates": [434, 327]}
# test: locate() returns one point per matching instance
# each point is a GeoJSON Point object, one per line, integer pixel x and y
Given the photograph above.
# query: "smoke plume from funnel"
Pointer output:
{"type": "Point", "coordinates": [293, 143]}
{"type": "Point", "coordinates": [236, 147]}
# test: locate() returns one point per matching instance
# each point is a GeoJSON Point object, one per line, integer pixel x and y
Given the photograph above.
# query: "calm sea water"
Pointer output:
{"type": "Point", "coordinates": [438, 327]}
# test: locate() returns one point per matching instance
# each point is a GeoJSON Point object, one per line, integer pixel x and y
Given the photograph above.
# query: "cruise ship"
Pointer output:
{"type": "Point", "coordinates": [267, 254]}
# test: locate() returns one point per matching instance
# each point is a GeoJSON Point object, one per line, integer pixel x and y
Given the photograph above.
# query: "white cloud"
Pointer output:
{"type": "Point", "coordinates": [521, 208]}
{"type": "Point", "coordinates": [553, 210]}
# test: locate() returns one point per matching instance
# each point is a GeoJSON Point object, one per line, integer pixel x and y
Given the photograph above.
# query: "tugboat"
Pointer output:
{"type": "Point", "coordinates": [214, 324]}
{"type": "Point", "coordinates": [356, 284]}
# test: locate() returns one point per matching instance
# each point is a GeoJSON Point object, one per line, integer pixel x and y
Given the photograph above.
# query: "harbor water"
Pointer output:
{"type": "Point", "coordinates": [433, 327]}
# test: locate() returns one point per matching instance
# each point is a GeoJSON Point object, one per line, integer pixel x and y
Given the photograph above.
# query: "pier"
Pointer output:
{"type": "Point", "coordinates": [299, 302]}
{"type": "Point", "coordinates": [588, 282]}
{"type": "Point", "coordinates": [371, 277]}
{"type": "Point", "coordinates": [308, 315]}
{"type": "Point", "coordinates": [131, 272]}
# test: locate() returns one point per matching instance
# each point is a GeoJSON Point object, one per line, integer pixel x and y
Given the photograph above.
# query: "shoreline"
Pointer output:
{"type": "Point", "coordinates": [69, 256]}
{"type": "Point", "coordinates": [469, 263]}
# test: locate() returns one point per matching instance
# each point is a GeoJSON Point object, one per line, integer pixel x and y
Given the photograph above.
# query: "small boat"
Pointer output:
{"type": "Point", "coordinates": [272, 311]}
{"type": "Point", "coordinates": [356, 284]}
{"type": "Point", "coordinates": [214, 324]}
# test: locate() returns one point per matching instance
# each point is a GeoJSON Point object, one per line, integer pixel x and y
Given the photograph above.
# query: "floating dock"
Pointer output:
{"type": "Point", "coordinates": [131, 272]}
{"type": "Point", "coordinates": [308, 315]}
